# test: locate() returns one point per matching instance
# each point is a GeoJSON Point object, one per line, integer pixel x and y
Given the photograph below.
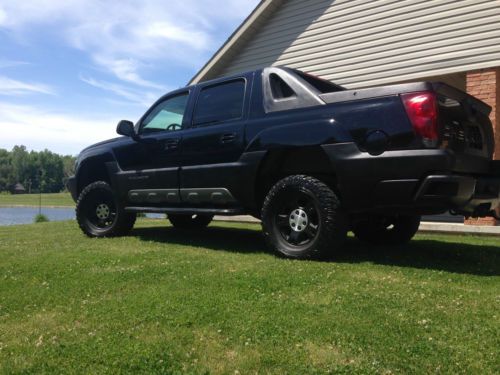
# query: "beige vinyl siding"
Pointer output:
{"type": "Point", "coordinates": [363, 43]}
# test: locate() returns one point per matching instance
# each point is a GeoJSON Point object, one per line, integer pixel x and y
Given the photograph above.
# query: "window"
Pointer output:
{"type": "Point", "coordinates": [280, 88]}
{"type": "Point", "coordinates": [220, 103]}
{"type": "Point", "coordinates": [166, 116]}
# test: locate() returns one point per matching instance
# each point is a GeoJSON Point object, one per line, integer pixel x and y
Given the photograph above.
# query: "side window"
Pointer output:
{"type": "Point", "coordinates": [166, 116]}
{"type": "Point", "coordinates": [220, 103]}
{"type": "Point", "coordinates": [280, 88]}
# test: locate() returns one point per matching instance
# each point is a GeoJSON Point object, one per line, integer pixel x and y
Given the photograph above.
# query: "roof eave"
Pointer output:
{"type": "Point", "coordinates": [261, 10]}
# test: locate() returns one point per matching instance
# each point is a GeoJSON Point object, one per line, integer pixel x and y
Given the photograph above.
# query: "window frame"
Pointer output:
{"type": "Point", "coordinates": [306, 95]}
{"type": "Point", "coordinates": [215, 84]}
{"type": "Point", "coordinates": [184, 125]}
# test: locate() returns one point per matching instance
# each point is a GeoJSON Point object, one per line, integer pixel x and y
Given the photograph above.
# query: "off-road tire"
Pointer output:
{"type": "Point", "coordinates": [120, 222]}
{"type": "Point", "coordinates": [392, 231]}
{"type": "Point", "coordinates": [331, 223]}
{"type": "Point", "coordinates": [188, 221]}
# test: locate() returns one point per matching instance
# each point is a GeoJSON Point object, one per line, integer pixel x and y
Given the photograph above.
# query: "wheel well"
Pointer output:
{"type": "Point", "coordinates": [311, 161]}
{"type": "Point", "coordinates": [91, 171]}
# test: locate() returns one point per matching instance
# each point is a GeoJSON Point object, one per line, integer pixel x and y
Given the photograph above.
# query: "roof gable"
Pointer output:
{"type": "Point", "coordinates": [261, 12]}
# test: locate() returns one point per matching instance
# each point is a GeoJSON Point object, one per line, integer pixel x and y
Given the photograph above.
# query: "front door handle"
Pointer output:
{"type": "Point", "coordinates": [171, 144]}
{"type": "Point", "coordinates": [227, 138]}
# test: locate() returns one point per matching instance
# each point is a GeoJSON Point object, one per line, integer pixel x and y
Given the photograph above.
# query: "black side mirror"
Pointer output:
{"type": "Point", "coordinates": [126, 128]}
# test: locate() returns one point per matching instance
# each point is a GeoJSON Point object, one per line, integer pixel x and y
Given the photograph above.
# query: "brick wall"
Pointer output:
{"type": "Point", "coordinates": [485, 85]}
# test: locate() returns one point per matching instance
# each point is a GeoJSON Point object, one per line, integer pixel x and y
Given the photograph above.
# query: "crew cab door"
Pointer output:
{"type": "Point", "coordinates": [150, 165]}
{"type": "Point", "coordinates": [214, 142]}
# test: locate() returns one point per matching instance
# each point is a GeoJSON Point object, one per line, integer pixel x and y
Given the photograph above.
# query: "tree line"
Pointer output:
{"type": "Point", "coordinates": [43, 171]}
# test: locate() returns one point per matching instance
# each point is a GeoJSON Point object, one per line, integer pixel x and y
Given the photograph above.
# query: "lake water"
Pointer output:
{"type": "Point", "coordinates": [25, 215]}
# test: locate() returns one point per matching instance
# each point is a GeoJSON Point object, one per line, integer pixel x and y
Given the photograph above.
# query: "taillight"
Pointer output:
{"type": "Point", "coordinates": [422, 111]}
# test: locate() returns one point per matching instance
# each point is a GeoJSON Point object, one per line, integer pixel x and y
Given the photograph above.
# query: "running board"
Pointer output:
{"type": "Point", "coordinates": [190, 210]}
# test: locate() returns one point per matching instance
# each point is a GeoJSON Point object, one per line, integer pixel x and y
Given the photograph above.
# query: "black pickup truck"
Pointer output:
{"type": "Point", "coordinates": [309, 158]}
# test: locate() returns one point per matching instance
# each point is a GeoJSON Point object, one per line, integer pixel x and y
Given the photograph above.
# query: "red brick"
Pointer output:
{"type": "Point", "coordinates": [481, 221]}
{"type": "Point", "coordinates": [485, 85]}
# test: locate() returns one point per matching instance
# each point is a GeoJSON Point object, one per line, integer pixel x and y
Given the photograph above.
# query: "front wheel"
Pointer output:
{"type": "Point", "coordinates": [302, 218]}
{"type": "Point", "coordinates": [188, 221]}
{"type": "Point", "coordinates": [387, 230]}
{"type": "Point", "coordinates": [99, 214]}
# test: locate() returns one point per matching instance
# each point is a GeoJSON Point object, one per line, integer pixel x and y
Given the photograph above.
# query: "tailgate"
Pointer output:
{"type": "Point", "coordinates": [464, 123]}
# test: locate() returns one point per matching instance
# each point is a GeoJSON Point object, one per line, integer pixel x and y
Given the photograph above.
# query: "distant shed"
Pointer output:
{"type": "Point", "coordinates": [18, 189]}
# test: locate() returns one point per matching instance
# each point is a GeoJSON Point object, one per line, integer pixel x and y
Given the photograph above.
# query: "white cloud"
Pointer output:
{"type": "Point", "coordinates": [125, 37]}
{"type": "Point", "coordinates": [59, 132]}
{"type": "Point", "coordinates": [11, 63]}
{"type": "Point", "coordinates": [165, 31]}
{"type": "Point", "coordinates": [126, 70]}
{"type": "Point", "coordinates": [3, 17]}
{"type": "Point", "coordinates": [136, 97]}
{"type": "Point", "coordinates": [10, 86]}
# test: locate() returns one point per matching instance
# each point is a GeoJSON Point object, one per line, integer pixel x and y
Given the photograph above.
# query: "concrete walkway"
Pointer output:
{"type": "Point", "coordinates": [425, 227]}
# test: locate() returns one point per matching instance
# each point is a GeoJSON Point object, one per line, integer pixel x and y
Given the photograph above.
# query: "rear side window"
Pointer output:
{"type": "Point", "coordinates": [280, 88]}
{"type": "Point", "coordinates": [220, 103]}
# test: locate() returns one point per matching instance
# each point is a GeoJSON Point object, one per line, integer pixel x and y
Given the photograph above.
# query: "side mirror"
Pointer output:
{"type": "Point", "coordinates": [126, 128]}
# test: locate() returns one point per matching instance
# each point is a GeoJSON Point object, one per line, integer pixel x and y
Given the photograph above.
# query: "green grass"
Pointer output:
{"type": "Point", "coordinates": [162, 301]}
{"type": "Point", "coordinates": [48, 200]}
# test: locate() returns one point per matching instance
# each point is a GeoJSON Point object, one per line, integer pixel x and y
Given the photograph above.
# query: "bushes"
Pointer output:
{"type": "Point", "coordinates": [41, 218]}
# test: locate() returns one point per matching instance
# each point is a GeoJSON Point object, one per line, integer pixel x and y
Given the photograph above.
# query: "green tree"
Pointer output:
{"type": "Point", "coordinates": [44, 170]}
{"type": "Point", "coordinates": [50, 166]}
{"type": "Point", "coordinates": [20, 159]}
{"type": "Point", "coordinates": [68, 167]}
{"type": "Point", "coordinates": [6, 175]}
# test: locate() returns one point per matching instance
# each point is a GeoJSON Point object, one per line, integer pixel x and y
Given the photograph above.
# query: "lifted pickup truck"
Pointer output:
{"type": "Point", "coordinates": [309, 158]}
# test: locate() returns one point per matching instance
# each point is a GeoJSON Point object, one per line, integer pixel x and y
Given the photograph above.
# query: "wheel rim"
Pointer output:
{"type": "Point", "coordinates": [297, 218]}
{"type": "Point", "coordinates": [101, 211]}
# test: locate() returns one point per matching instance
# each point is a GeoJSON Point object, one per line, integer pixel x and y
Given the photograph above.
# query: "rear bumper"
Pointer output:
{"type": "Point", "coordinates": [469, 196]}
{"type": "Point", "coordinates": [71, 186]}
{"type": "Point", "coordinates": [417, 181]}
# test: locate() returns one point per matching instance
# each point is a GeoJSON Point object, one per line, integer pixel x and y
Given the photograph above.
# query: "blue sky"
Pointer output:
{"type": "Point", "coordinates": [71, 69]}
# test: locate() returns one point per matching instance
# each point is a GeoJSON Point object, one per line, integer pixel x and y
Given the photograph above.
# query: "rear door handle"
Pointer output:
{"type": "Point", "coordinates": [171, 144]}
{"type": "Point", "coordinates": [227, 138]}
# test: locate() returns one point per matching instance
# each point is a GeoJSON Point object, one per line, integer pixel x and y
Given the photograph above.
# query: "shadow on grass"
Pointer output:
{"type": "Point", "coordinates": [214, 238]}
{"type": "Point", "coordinates": [454, 257]}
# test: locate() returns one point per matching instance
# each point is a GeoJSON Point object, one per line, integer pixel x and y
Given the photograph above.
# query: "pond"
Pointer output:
{"type": "Point", "coordinates": [26, 215]}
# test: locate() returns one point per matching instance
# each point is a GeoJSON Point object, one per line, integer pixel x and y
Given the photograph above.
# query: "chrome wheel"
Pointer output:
{"type": "Point", "coordinates": [101, 211]}
{"type": "Point", "coordinates": [297, 219]}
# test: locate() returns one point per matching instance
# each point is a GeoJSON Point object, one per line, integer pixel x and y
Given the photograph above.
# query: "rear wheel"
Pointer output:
{"type": "Point", "coordinates": [188, 221]}
{"type": "Point", "coordinates": [302, 218]}
{"type": "Point", "coordinates": [387, 230]}
{"type": "Point", "coordinates": [99, 214]}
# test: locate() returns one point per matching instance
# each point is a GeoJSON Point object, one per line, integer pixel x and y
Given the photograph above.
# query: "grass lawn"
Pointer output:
{"type": "Point", "coordinates": [161, 301]}
{"type": "Point", "coordinates": [51, 200]}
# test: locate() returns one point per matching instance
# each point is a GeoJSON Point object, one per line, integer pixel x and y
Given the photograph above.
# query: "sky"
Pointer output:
{"type": "Point", "coordinates": [71, 69]}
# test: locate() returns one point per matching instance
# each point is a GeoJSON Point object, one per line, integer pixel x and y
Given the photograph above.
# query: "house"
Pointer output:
{"type": "Point", "coordinates": [17, 189]}
{"type": "Point", "coordinates": [360, 43]}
